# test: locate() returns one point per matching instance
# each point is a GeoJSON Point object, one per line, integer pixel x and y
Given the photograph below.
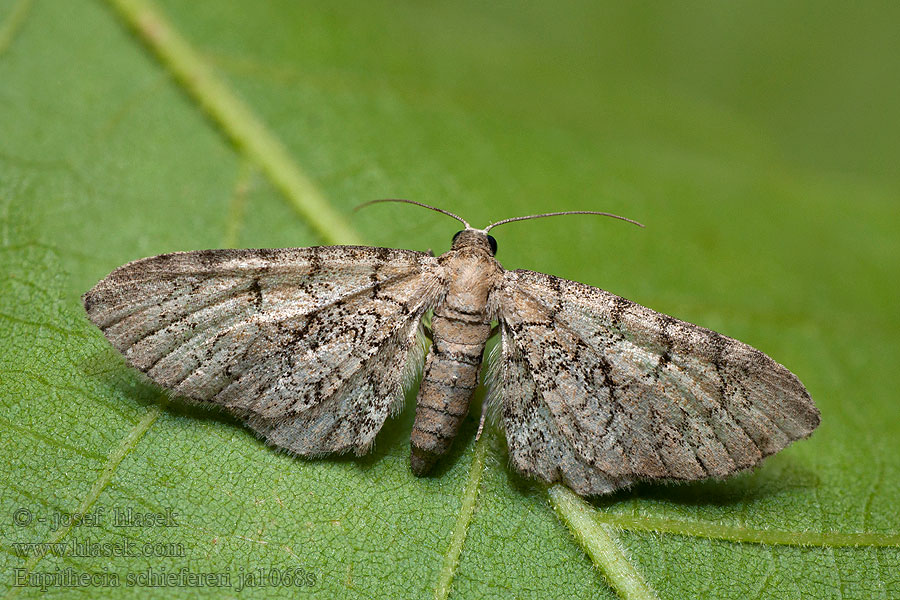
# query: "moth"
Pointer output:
{"type": "Point", "coordinates": [312, 348]}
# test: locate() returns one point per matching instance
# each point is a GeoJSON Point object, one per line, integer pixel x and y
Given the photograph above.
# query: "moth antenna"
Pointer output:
{"type": "Point", "coordinates": [440, 210]}
{"type": "Point", "coordinates": [556, 214]}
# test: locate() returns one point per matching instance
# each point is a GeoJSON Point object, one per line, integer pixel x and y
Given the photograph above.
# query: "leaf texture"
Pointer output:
{"type": "Point", "coordinates": [105, 157]}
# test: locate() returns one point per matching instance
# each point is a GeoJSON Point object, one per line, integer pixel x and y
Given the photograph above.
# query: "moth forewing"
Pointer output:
{"type": "Point", "coordinates": [310, 348]}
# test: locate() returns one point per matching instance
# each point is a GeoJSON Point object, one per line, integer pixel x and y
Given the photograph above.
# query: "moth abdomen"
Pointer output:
{"type": "Point", "coordinates": [447, 387]}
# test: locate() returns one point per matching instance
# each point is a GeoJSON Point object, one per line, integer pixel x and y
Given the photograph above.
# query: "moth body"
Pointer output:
{"type": "Point", "coordinates": [460, 327]}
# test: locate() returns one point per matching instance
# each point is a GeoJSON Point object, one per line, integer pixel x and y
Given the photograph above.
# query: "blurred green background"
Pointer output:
{"type": "Point", "coordinates": [758, 141]}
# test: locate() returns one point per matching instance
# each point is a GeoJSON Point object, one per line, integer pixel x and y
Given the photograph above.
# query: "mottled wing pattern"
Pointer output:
{"type": "Point", "coordinates": [598, 392]}
{"type": "Point", "coordinates": [308, 344]}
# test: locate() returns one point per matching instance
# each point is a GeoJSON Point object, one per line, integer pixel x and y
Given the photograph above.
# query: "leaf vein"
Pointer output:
{"type": "Point", "coordinates": [13, 24]}
{"type": "Point", "coordinates": [236, 119]}
{"type": "Point", "coordinates": [115, 458]}
{"type": "Point", "coordinates": [740, 534]}
{"type": "Point", "coordinates": [6, 424]}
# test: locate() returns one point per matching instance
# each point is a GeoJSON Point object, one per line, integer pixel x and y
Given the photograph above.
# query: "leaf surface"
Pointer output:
{"type": "Point", "coordinates": [770, 199]}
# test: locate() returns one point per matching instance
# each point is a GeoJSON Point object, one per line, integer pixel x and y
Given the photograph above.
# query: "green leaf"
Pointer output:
{"type": "Point", "coordinates": [759, 144]}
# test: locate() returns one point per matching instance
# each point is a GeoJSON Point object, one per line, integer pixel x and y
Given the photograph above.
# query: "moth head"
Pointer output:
{"type": "Point", "coordinates": [474, 238]}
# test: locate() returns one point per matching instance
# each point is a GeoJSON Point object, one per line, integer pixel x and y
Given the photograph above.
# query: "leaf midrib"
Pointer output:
{"type": "Point", "coordinates": [235, 119]}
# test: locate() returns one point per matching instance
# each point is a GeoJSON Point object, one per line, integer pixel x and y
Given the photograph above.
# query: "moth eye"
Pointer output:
{"type": "Point", "coordinates": [455, 235]}
{"type": "Point", "coordinates": [492, 243]}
